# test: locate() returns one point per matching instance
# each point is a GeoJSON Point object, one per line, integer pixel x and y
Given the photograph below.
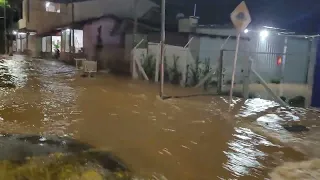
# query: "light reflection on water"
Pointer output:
{"type": "Point", "coordinates": [243, 154]}
{"type": "Point", "coordinates": [196, 138]}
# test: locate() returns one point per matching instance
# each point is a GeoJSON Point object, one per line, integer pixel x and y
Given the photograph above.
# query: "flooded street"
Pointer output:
{"type": "Point", "coordinates": [183, 138]}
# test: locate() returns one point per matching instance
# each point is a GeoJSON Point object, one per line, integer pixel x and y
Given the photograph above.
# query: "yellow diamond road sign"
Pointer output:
{"type": "Point", "coordinates": [240, 17]}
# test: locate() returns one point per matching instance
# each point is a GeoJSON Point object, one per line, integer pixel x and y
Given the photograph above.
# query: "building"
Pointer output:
{"type": "Point", "coordinates": [46, 26]}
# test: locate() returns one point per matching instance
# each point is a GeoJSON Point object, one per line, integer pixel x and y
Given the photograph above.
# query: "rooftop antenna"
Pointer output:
{"type": "Point", "coordinates": [194, 9]}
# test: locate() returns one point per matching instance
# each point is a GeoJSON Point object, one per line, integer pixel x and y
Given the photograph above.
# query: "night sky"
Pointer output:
{"type": "Point", "coordinates": [302, 16]}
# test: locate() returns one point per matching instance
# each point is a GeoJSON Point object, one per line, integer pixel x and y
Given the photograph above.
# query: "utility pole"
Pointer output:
{"type": "Point", "coordinates": [73, 40]}
{"type": "Point", "coordinates": [135, 25]}
{"type": "Point", "coordinates": [134, 34]}
{"type": "Point", "coordinates": [162, 43]}
{"type": "Point", "coordinates": [5, 26]}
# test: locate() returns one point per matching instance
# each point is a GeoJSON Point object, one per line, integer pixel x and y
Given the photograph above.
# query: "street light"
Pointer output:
{"type": "Point", "coordinates": [246, 31]}
{"type": "Point", "coordinates": [47, 4]}
{"type": "Point", "coordinates": [264, 34]}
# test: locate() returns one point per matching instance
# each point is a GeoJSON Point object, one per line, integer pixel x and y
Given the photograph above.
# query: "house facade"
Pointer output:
{"type": "Point", "coordinates": [46, 26]}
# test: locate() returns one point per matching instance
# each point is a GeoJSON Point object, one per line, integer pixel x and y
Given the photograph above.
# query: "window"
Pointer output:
{"type": "Point", "coordinates": [46, 44]}
{"type": "Point", "coordinates": [78, 40]}
{"type": "Point", "coordinates": [52, 7]}
{"type": "Point", "coordinates": [67, 40]}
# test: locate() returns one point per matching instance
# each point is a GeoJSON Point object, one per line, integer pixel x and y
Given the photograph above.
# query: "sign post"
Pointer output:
{"type": "Point", "coordinates": [240, 18]}
{"type": "Point", "coordinates": [162, 44]}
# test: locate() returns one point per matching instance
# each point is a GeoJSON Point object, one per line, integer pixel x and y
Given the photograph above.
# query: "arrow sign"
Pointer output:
{"type": "Point", "coordinates": [240, 17]}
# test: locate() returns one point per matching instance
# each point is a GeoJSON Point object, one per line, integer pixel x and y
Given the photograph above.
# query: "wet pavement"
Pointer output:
{"type": "Point", "coordinates": [186, 138]}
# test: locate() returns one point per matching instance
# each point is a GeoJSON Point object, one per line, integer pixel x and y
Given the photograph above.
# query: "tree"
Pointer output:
{"type": "Point", "coordinates": [12, 8]}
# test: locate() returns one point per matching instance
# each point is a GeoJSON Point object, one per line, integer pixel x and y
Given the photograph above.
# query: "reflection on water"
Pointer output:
{"type": "Point", "coordinates": [187, 138]}
{"type": "Point", "coordinates": [243, 154]}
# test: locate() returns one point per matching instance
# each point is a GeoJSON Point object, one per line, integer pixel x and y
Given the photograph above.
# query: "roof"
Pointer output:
{"type": "Point", "coordinates": [301, 16]}
{"type": "Point", "coordinates": [66, 1]}
{"type": "Point", "coordinates": [80, 24]}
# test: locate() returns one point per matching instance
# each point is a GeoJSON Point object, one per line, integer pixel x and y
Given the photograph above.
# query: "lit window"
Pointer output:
{"type": "Point", "coordinates": [52, 7]}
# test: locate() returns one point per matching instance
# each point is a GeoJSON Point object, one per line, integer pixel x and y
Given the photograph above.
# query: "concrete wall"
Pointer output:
{"type": "Point", "coordinates": [112, 53]}
{"type": "Point", "coordinates": [263, 52]}
{"type": "Point", "coordinates": [175, 39]}
{"type": "Point", "coordinates": [35, 16]}
{"type": "Point", "coordinates": [120, 8]}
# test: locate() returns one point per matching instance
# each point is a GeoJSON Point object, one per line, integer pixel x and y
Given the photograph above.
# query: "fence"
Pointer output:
{"type": "Point", "coordinates": [285, 74]}
{"type": "Point", "coordinates": [282, 63]}
{"type": "Point", "coordinates": [176, 60]}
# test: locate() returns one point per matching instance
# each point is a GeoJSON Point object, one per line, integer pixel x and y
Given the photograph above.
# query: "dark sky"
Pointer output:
{"type": "Point", "coordinates": [302, 16]}
{"type": "Point", "coordinates": [296, 15]}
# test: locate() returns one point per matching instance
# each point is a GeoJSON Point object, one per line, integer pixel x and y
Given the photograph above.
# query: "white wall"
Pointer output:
{"type": "Point", "coordinates": [122, 8]}
{"type": "Point", "coordinates": [38, 16]}
{"type": "Point", "coordinates": [296, 64]}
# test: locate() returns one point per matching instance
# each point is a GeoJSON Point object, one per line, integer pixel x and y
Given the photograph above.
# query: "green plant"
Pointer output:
{"type": "Point", "coordinates": [195, 72]}
{"type": "Point", "coordinates": [148, 64]}
{"type": "Point", "coordinates": [205, 72]}
{"type": "Point", "coordinates": [228, 82]}
{"type": "Point", "coordinates": [275, 81]}
{"type": "Point", "coordinates": [283, 98]}
{"type": "Point", "coordinates": [56, 46]}
{"type": "Point", "coordinates": [175, 74]}
{"type": "Point", "coordinates": [166, 76]}
{"type": "Point", "coordinates": [298, 101]}
{"type": "Point", "coordinates": [187, 76]}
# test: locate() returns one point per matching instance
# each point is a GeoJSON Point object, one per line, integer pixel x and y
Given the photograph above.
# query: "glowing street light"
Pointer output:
{"type": "Point", "coordinates": [246, 31]}
{"type": "Point", "coordinates": [264, 34]}
{"type": "Point", "coordinates": [47, 4]}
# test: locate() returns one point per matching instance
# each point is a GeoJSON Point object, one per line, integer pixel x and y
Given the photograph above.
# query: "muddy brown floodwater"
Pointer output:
{"type": "Point", "coordinates": [186, 138]}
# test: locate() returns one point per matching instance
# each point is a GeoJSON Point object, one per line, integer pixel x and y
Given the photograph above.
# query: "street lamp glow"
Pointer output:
{"type": "Point", "coordinates": [47, 4]}
{"type": "Point", "coordinates": [264, 34]}
{"type": "Point", "coordinates": [246, 31]}
{"type": "Point", "coordinates": [14, 32]}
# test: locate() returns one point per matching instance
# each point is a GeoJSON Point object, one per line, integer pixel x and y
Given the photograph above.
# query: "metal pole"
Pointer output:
{"type": "Point", "coordinates": [162, 42]}
{"type": "Point", "coordinates": [283, 65]}
{"type": "Point", "coordinates": [134, 33]}
{"type": "Point", "coordinates": [5, 26]}
{"type": "Point", "coordinates": [220, 73]}
{"type": "Point", "coordinates": [234, 69]}
{"type": "Point", "coordinates": [246, 82]}
{"type": "Point", "coordinates": [73, 40]}
{"type": "Point", "coordinates": [265, 85]}
{"type": "Point", "coordinates": [135, 25]}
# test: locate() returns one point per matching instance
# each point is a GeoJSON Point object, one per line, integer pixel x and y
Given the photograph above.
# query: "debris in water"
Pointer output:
{"type": "Point", "coordinates": [306, 170]}
{"type": "Point", "coordinates": [169, 130]}
{"type": "Point", "coordinates": [295, 128]}
{"type": "Point", "coordinates": [185, 147]}
{"type": "Point", "coordinates": [193, 142]}
{"type": "Point", "coordinates": [199, 122]}
{"type": "Point", "coordinates": [167, 151]}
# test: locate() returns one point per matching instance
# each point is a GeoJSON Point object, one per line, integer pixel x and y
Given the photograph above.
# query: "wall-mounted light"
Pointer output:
{"type": "Point", "coordinates": [14, 32]}
{"type": "Point", "coordinates": [246, 31]}
{"type": "Point", "coordinates": [47, 4]}
{"type": "Point", "coordinates": [264, 34]}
